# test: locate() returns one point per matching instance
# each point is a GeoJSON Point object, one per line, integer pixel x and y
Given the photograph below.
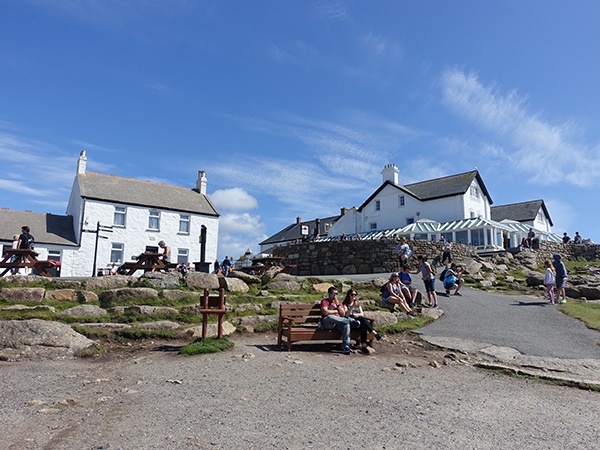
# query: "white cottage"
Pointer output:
{"type": "Point", "coordinates": [111, 219]}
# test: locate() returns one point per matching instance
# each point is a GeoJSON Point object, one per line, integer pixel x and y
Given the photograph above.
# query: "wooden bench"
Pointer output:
{"type": "Point", "coordinates": [146, 262]}
{"type": "Point", "coordinates": [299, 322]}
{"type": "Point", "coordinates": [24, 258]}
{"type": "Point", "coordinates": [213, 305]}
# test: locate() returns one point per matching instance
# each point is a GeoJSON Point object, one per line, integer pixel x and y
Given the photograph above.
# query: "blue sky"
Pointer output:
{"type": "Point", "coordinates": [293, 107]}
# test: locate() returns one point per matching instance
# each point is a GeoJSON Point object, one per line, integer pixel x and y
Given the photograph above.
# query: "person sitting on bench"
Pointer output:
{"type": "Point", "coordinates": [334, 317]}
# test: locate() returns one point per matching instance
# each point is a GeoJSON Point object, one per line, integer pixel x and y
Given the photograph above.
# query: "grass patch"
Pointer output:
{"type": "Point", "coordinates": [209, 345]}
{"type": "Point", "coordinates": [589, 313]}
{"type": "Point", "coordinates": [91, 351]}
{"type": "Point", "coordinates": [93, 333]}
{"type": "Point", "coordinates": [138, 334]}
{"type": "Point", "coordinates": [405, 325]}
{"type": "Point", "coordinates": [266, 326]}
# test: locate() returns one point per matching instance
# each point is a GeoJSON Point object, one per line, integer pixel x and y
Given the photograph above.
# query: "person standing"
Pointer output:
{"type": "Point", "coordinates": [561, 278]}
{"type": "Point", "coordinates": [549, 281]}
{"type": "Point", "coordinates": [428, 279]}
{"type": "Point", "coordinates": [15, 245]}
{"type": "Point", "coordinates": [447, 253]}
{"type": "Point", "coordinates": [403, 252]}
{"type": "Point", "coordinates": [216, 266]}
{"type": "Point", "coordinates": [225, 266]}
{"type": "Point", "coordinates": [26, 240]}
{"type": "Point", "coordinates": [333, 314]}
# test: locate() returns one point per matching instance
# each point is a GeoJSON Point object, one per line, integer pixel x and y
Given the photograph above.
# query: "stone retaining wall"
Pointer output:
{"type": "Point", "coordinates": [589, 252]}
{"type": "Point", "coordinates": [351, 257]}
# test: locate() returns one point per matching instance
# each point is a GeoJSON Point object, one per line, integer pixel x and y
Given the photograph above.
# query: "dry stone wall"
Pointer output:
{"type": "Point", "coordinates": [352, 257]}
{"type": "Point", "coordinates": [589, 252]}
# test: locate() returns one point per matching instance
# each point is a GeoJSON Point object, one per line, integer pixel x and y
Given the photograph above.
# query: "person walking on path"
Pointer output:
{"type": "Point", "coordinates": [428, 279]}
{"type": "Point", "coordinates": [225, 266]}
{"type": "Point", "coordinates": [447, 253]}
{"type": "Point", "coordinates": [404, 252]}
{"type": "Point", "coordinates": [333, 314]}
{"type": "Point", "coordinates": [355, 311]}
{"type": "Point", "coordinates": [549, 280]}
{"type": "Point", "coordinates": [561, 278]}
{"type": "Point", "coordinates": [216, 266]}
{"type": "Point", "coordinates": [392, 293]}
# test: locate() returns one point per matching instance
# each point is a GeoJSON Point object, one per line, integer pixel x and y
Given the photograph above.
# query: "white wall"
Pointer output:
{"type": "Point", "coordinates": [136, 236]}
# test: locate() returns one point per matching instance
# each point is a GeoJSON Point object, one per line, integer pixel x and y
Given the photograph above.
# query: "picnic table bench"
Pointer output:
{"type": "Point", "coordinates": [261, 265]}
{"type": "Point", "coordinates": [147, 262]}
{"type": "Point", "coordinates": [24, 258]}
{"type": "Point", "coordinates": [300, 322]}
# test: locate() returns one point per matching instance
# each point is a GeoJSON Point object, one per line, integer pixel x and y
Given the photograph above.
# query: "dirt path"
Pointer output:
{"type": "Point", "coordinates": [256, 396]}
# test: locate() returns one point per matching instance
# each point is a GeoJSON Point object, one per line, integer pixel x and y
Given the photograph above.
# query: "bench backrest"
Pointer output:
{"type": "Point", "coordinates": [213, 301]}
{"type": "Point", "coordinates": [301, 312]}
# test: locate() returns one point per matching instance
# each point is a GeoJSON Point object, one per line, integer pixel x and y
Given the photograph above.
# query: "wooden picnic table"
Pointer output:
{"type": "Point", "coordinates": [147, 262]}
{"type": "Point", "coordinates": [24, 258]}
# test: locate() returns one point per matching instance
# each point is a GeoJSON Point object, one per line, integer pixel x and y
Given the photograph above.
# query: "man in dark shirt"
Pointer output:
{"type": "Point", "coordinates": [26, 240]}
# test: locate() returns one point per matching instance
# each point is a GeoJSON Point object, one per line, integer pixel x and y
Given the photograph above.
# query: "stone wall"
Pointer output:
{"type": "Point", "coordinates": [351, 257]}
{"type": "Point", "coordinates": [589, 252]}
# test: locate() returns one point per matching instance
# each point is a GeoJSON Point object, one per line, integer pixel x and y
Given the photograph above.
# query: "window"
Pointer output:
{"type": "Point", "coordinates": [410, 220]}
{"type": "Point", "coordinates": [182, 255]}
{"type": "Point", "coordinates": [420, 237]}
{"type": "Point", "coordinates": [154, 220]}
{"type": "Point", "coordinates": [377, 205]}
{"type": "Point", "coordinates": [373, 226]}
{"type": "Point", "coordinates": [433, 237]}
{"type": "Point", "coordinates": [116, 253]}
{"type": "Point", "coordinates": [477, 238]}
{"type": "Point", "coordinates": [472, 214]}
{"type": "Point", "coordinates": [474, 192]}
{"type": "Point", "coordinates": [400, 201]}
{"type": "Point", "coordinates": [184, 223]}
{"type": "Point", "coordinates": [462, 237]}
{"type": "Point", "coordinates": [54, 255]}
{"type": "Point", "coordinates": [119, 217]}
{"type": "Point", "coordinates": [447, 236]}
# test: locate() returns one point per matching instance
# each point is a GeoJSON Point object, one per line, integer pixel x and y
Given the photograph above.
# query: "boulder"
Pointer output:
{"type": "Point", "coordinates": [211, 330]}
{"type": "Point", "coordinates": [233, 285]}
{"type": "Point", "coordinates": [150, 310]}
{"type": "Point", "coordinates": [282, 276]}
{"type": "Point", "coordinates": [176, 294]}
{"type": "Point", "coordinates": [248, 307]}
{"type": "Point", "coordinates": [246, 278]}
{"type": "Point", "coordinates": [109, 282]}
{"type": "Point", "coordinates": [271, 273]}
{"type": "Point", "coordinates": [70, 295]}
{"type": "Point", "coordinates": [201, 280]}
{"type": "Point", "coordinates": [29, 308]}
{"type": "Point", "coordinates": [486, 284]}
{"type": "Point", "coordinates": [364, 268]}
{"type": "Point", "coordinates": [134, 292]}
{"type": "Point", "coordinates": [25, 279]}
{"type": "Point", "coordinates": [285, 286]}
{"type": "Point", "coordinates": [106, 326]}
{"type": "Point", "coordinates": [535, 279]}
{"type": "Point", "coordinates": [161, 325]}
{"type": "Point", "coordinates": [472, 266]}
{"type": "Point", "coordinates": [378, 282]}
{"type": "Point", "coordinates": [84, 310]}
{"type": "Point", "coordinates": [572, 292]}
{"type": "Point", "coordinates": [362, 285]}
{"type": "Point", "coordinates": [590, 292]}
{"type": "Point", "coordinates": [349, 270]}
{"type": "Point", "coordinates": [382, 318]}
{"type": "Point", "coordinates": [320, 287]}
{"type": "Point", "coordinates": [21, 295]}
{"type": "Point", "coordinates": [162, 279]}
{"type": "Point", "coordinates": [39, 339]}
{"type": "Point", "coordinates": [67, 284]}
{"type": "Point", "coordinates": [488, 266]}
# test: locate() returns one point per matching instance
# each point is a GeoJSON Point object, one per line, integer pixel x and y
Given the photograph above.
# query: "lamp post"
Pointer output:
{"type": "Point", "coordinates": [98, 229]}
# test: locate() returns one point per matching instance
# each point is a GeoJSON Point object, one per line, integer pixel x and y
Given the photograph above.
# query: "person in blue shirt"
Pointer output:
{"type": "Point", "coordinates": [561, 278]}
{"type": "Point", "coordinates": [409, 292]}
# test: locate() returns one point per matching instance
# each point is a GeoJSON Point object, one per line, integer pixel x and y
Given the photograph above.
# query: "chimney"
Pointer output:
{"type": "Point", "coordinates": [81, 163]}
{"type": "Point", "coordinates": [343, 211]}
{"type": "Point", "coordinates": [390, 173]}
{"type": "Point", "coordinates": [298, 219]}
{"type": "Point", "coordinates": [201, 182]}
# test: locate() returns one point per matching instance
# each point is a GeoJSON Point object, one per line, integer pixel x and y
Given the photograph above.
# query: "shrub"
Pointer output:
{"type": "Point", "coordinates": [209, 345]}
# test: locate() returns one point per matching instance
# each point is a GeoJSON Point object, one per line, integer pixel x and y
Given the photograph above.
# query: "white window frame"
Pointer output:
{"type": "Point", "coordinates": [474, 191]}
{"type": "Point", "coordinates": [183, 256]}
{"type": "Point", "coordinates": [120, 211]}
{"type": "Point", "coordinates": [186, 220]}
{"type": "Point", "coordinates": [154, 215]}
{"type": "Point", "coordinates": [373, 226]}
{"type": "Point", "coordinates": [401, 202]}
{"type": "Point", "coordinates": [377, 205]}
{"type": "Point", "coordinates": [52, 255]}
{"type": "Point", "coordinates": [115, 248]}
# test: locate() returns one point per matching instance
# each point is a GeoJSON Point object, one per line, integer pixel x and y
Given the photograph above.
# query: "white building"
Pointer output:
{"type": "Point", "coordinates": [133, 217]}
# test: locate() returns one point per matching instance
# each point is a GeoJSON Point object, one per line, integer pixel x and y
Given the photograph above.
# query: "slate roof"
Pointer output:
{"type": "Point", "coordinates": [144, 193]}
{"type": "Point", "coordinates": [436, 188]}
{"type": "Point", "coordinates": [45, 228]}
{"type": "Point", "coordinates": [521, 212]}
{"type": "Point", "coordinates": [293, 231]}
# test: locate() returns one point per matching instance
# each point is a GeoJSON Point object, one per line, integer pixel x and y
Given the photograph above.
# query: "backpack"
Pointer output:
{"type": "Point", "coordinates": [29, 241]}
{"type": "Point", "coordinates": [383, 289]}
{"type": "Point", "coordinates": [443, 275]}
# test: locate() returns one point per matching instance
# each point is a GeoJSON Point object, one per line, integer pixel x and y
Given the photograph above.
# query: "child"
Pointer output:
{"type": "Point", "coordinates": [428, 280]}
{"type": "Point", "coordinates": [561, 277]}
{"type": "Point", "coordinates": [549, 280]}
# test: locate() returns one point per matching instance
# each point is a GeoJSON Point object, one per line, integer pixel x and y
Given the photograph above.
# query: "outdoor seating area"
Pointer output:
{"type": "Point", "coordinates": [261, 265]}
{"type": "Point", "coordinates": [300, 322]}
{"type": "Point", "coordinates": [147, 262]}
{"type": "Point", "coordinates": [24, 259]}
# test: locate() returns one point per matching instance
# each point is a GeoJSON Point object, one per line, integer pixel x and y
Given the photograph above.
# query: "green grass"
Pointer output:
{"type": "Point", "coordinates": [589, 313]}
{"type": "Point", "coordinates": [266, 326]}
{"type": "Point", "coordinates": [209, 345]}
{"type": "Point", "coordinates": [91, 351]}
{"type": "Point", "coordinates": [405, 325]}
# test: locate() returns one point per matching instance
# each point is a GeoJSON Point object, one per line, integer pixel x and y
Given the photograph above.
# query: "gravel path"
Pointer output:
{"type": "Point", "coordinates": [257, 397]}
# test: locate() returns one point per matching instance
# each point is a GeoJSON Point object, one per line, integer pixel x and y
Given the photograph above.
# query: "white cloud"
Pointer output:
{"type": "Point", "coordinates": [548, 153]}
{"type": "Point", "coordinates": [381, 48]}
{"type": "Point", "coordinates": [21, 188]}
{"type": "Point", "coordinates": [236, 199]}
{"type": "Point", "coordinates": [245, 224]}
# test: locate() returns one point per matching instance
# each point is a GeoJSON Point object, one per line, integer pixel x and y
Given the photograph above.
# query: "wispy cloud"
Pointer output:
{"type": "Point", "coordinates": [236, 199]}
{"type": "Point", "coordinates": [382, 48]}
{"type": "Point", "coordinates": [331, 10]}
{"type": "Point", "coordinates": [547, 152]}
